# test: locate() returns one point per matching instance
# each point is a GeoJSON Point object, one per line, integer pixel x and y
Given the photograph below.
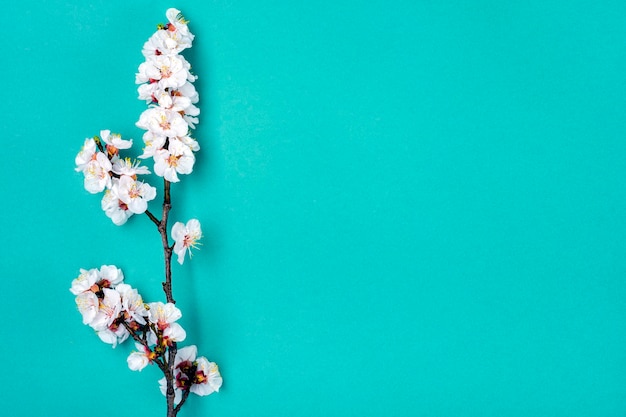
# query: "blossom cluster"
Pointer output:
{"type": "Point", "coordinates": [165, 80]}
{"type": "Point", "coordinates": [105, 170]}
{"type": "Point", "coordinates": [116, 311]}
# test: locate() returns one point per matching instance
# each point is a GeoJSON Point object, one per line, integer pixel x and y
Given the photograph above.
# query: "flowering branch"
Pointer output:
{"type": "Point", "coordinates": [111, 307]}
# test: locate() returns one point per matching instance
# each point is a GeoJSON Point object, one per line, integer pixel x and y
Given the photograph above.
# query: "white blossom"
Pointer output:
{"type": "Point", "coordinates": [135, 194]}
{"type": "Point", "coordinates": [114, 142]}
{"type": "Point", "coordinates": [168, 71]}
{"type": "Point", "coordinates": [132, 303]}
{"type": "Point", "coordinates": [109, 310]}
{"type": "Point", "coordinates": [85, 281]}
{"type": "Point", "coordinates": [163, 314]}
{"type": "Point", "coordinates": [88, 305]}
{"type": "Point", "coordinates": [111, 275]}
{"type": "Point", "coordinates": [86, 154]}
{"type": "Point", "coordinates": [174, 333]}
{"type": "Point", "coordinates": [178, 158]}
{"type": "Point", "coordinates": [188, 90]}
{"type": "Point", "coordinates": [163, 122]}
{"type": "Point", "coordinates": [113, 336]}
{"type": "Point", "coordinates": [207, 378]}
{"type": "Point", "coordinates": [96, 171]}
{"type": "Point", "coordinates": [190, 143]}
{"type": "Point", "coordinates": [113, 207]}
{"type": "Point", "coordinates": [139, 359]}
{"type": "Point", "coordinates": [129, 167]}
{"type": "Point", "coordinates": [171, 39]}
{"type": "Point", "coordinates": [153, 143]}
{"type": "Point", "coordinates": [186, 236]}
{"type": "Point", "coordinates": [179, 22]}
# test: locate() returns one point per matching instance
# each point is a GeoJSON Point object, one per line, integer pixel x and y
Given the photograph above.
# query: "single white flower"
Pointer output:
{"type": "Point", "coordinates": [85, 281]}
{"type": "Point", "coordinates": [141, 358]}
{"type": "Point", "coordinates": [148, 92]}
{"type": "Point", "coordinates": [110, 276]}
{"type": "Point", "coordinates": [163, 122]}
{"type": "Point", "coordinates": [173, 101]}
{"type": "Point", "coordinates": [88, 305]}
{"type": "Point", "coordinates": [132, 303]}
{"type": "Point", "coordinates": [186, 236]}
{"type": "Point", "coordinates": [97, 173]}
{"type": "Point", "coordinates": [166, 42]}
{"type": "Point", "coordinates": [113, 207]}
{"type": "Point", "coordinates": [170, 39]}
{"type": "Point", "coordinates": [191, 121]}
{"type": "Point", "coordinates": [86, 154]}
{"type": "Point", "coordinates": [163, 314]}
{"type": "Point", "coordinates": [189, 90]}
{"type": "Point", "coordinates": [108, 311]}
{"type": "Point", "coordinates": [191, 143]}
{"type": "Point", "coordinates": [113, 336]}
{"type": "Point", "coordinates": [178, 158]}
{"type": "Point", "coordinates": [179, 22]}
{"type": "Point", "coordinates": [114, 142]}
{"type": "Point", "coordinates": [168, 71]}
{"type": "Point", "coordinates": [129, 167]}
{"type": "Point", "coordinates": [153, 143]}
{"type": "Point", "coordinates": [174, 333]}
{"type": "Point", "coordinates": [207, 378]}
{"type": "Point", "coordinates": [135, 194]}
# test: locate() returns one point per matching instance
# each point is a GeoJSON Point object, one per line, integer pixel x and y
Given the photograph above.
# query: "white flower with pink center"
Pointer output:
{"type": "Point", "coordinates": [113, 207]}
{"type": "Point", "coordinates": [85, 281]}
{"type": "Point", "coordinates": [129, 167]}
{"type": "Point", "coordinates": [111, 276]}
{"type": "Point", "coordinates": [186, 236]}
{"type": "Point", "coordinates": [179, 22]}
{"type": "Point", "coordinates": [132, 303]}
{"type": "Point", "coordinates": [108, 311]}
{"type": "Point", "coordinates": [97, 173]}
{"type": "Point", "coordinates": [174, 333]}
{"type": "Point", "coordinates": [167, 71]}
{"type": "Point", "coordinates": [163, 122]}
{"type": "Point", "coordinates": [171, 39]}
{"type": "Point", "coordinates": [178, 158]}
{"type": "Point", "coordinates": [163, 314]}
{"type": "Point", "coordinates": [207, 378]}
{"type": "Point", "coordinates": [135, 194]}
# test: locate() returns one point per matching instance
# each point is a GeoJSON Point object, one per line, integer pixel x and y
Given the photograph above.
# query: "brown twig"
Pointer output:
{"type": "Point", "coordinates": [167, 249]}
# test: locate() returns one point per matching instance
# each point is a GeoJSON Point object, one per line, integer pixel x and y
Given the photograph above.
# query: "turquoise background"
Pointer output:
{"type": "Point", "coordinates": [410, 208]}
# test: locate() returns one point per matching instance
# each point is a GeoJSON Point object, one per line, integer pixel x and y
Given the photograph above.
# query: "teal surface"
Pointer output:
{"type": "Point", "coordinates": [411, 208]}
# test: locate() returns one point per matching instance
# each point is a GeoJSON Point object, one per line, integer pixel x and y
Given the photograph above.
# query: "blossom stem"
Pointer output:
{"type": "Point", "coordinates": [167, 288]}
{"type": "Point", "coordinates": [182, 401]}
{"type": "Point", "coordinates": [153, 218]}
{"type": "Point", "coordinates": [169, 376]}
{"type": "Point", "coordinates": [167, 249]}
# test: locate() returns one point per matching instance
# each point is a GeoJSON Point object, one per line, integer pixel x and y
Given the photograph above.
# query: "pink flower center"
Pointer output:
{"type": "Point", "coordinates": [134, 192]}
{"type": "Point", "coordinates": [165, 124]}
